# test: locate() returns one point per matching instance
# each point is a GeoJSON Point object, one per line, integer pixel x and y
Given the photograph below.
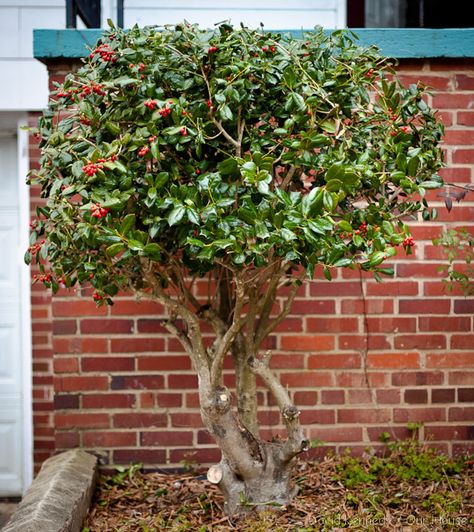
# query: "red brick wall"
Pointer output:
{"type": "Point", "coordinates": [124, 389]}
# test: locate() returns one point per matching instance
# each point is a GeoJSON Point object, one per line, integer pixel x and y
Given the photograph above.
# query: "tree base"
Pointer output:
{"type": "Point", "coordinates": [269, 487]}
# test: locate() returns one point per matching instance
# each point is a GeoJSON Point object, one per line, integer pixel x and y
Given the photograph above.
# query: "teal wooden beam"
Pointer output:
{"type": "Point", "coordinates": [393, 42]}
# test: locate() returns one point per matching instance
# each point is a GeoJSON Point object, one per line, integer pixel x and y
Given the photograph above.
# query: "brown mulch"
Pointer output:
{"type": "Point", "coordinates": [333, 496]}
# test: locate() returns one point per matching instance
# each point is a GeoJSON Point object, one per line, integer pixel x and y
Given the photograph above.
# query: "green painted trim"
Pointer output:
{"type": "Point", "coordinates": [393, 42]}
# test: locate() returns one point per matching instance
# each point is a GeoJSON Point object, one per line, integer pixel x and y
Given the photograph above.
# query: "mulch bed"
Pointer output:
{"type": "Point", "coordinates": [339, 492]}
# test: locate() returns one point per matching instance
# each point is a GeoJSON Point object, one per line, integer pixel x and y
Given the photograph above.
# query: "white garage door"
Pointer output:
{"type": "Point", "coordinates": [11, 400]}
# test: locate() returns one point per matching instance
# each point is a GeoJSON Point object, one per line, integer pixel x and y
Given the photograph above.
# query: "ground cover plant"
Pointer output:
{"type": "Point", "coordinates": [409, 487]}
{"type": "Point", "coordinates": [212, 170]}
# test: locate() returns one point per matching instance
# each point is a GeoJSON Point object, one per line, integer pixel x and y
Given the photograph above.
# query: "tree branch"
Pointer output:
{"type": "Point", "coordinates": [296, 442]}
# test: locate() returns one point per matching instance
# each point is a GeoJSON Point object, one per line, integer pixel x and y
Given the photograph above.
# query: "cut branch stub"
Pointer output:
{"type": "Point", "coordinates": [214, 474]}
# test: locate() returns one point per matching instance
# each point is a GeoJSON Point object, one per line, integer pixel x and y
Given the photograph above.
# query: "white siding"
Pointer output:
{"type": "Point", "coordinates": [24, 80]}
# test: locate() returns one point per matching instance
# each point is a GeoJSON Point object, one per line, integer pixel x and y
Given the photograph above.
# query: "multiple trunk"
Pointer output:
{"type": "Point", "coordinates": [252, 474]}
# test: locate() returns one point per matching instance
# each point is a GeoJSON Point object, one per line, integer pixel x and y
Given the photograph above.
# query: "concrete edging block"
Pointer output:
{"type": "Point", "coordinates": [59, 497]}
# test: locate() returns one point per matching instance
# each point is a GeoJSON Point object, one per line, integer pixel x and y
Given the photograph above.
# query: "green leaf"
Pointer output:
{"type": "Point", "coordinates": [344, 225]}
{"type": "Point", "coordinates": [329, 126]}
{"type": "Point", "coordinates": [334, 185]}
{"type": "Point", "coordinates": [228, 166]}
{"type": "Point", "coordinates": [115, 249]}
{"type": "Point", "coordinates": [176, 215]}
{"type": "Point", "coordinates": [377, 258]}
{"type": "Point", "coordinates": [128, 223]}
{"type": "Point", "coordinates": [335, 171]}
{"type": "Point", "coordinates": [328, 201]}
{"type": "Point", "coordinates": [344, 261]}
{"type": "Point", "coordinates": [152, 250]}
{"type": "Point", "coordinates": [135, 245]}
{"type": "Point", "coordinates": [327, 273]}
{"type": "Point", "coordinates": [193, 216]}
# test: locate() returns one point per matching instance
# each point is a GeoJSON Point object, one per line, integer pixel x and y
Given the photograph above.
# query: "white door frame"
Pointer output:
{"type": "Point", "coordinates": [25, 294]}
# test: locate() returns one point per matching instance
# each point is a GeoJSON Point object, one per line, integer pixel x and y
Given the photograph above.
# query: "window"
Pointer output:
{"type": "Point", "coordinates": [410, 14]}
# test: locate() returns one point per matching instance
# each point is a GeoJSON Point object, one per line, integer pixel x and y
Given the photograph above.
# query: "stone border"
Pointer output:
{"type": "Point", "coordinates": [59, 497]}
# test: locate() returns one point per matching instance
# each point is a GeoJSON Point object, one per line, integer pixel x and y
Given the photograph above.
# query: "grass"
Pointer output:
{"type": "Point", "coordinates": [411, 487]}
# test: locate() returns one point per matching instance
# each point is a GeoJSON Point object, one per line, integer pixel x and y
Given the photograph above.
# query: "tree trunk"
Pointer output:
{"type": "Point", "coordinates": [252, 474]}
{"type": "Point", "coordinates": [245, 386]}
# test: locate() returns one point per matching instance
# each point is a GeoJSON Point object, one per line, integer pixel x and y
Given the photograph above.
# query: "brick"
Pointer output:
{"type": "Point", "coordinates": [186, 419]}
{"type": "Point", "coordinates": [463, 449]}
{"type": "Point", "coordinates": [450, 360]}
{"type": "Point", "coordinates": [107, 364]}
{"type": "Point", "coordinates": [418, 378]}
{"type": "Point", "coordinates": [449, 433]}
{"type": "Point", "coordinates": [421, 341]}
{"type": "Point", "coordinates": [306, 398]}
{"type": "Point", "coordinates": [145, 456]}
{"type": "Point", "coordinates": [268, 418]}
{"type": "Point", "coordinates": [321, 361]}
{"type": "Point", "coordinates": [466, 395]}
{"type": "Point", "coordinates": [65, 402]}
{"type": "Point", "coordinates": [81, 383]}
{"type": "Point", "coordinates": [420, 415]}
{"type": "Point", "coordinates": [66, 440]}
{"type": "Point", "coordinates": [306, 379]}
{"type": "Point", "coordinates": [416, 396]}
{"type": "Point", "coordinates": [324, 417]}
{"type": "Point", "coordinates": [137, 382]}
{"type": "Point", "coordinates": [463, 156]}
{"type": "Point", "coordinates": [164, 362]}
{"type": "Point", "coordinates": [390, 325]}
{"type": "Point", "coordinates": [80, 420]}
{"type": "Point", "coordinates": [465, 118]}
{"type": "Point", "coordinates": [436, 82]}
{"type": "Point", "coordinates": [335, 324]}
{"type": "Point", "coordinates": [390, 397]}
{"type": "Point", "coordinates": [392, 288]}
{"type": "Point", "coordinates": [109, 439]}
{"type": "Point", "coordinates": [108, 400]}
{"type": "Point", "coordinates": [459, 175]}
{"type": "Point", "coordinates": [334, 288]}
{"type": "Point", "coordinates": [337, 434]}
{"type": "Point", "coordinates": [461, 377]}
{"type": "Point", "coordinates": [131, 307]}
{"type": "Point", "coordinates": [77, 308]}
{"type": "Point", "coordinates": [444, 324]}
{"type": "Point", "coordinates": [358, 380]}
{"type": "Point", "coordinates": [137, 345]}
{"type": "Point", "coordinates": [307, 343]}
{"type": "Point", "coordinates": [166, 400]}
{"type": "Point", "coordinates": [198, 456]}
{"type": "Point", "coordinates": [464, 306]}
{"type": "Point", "coordinates": [461, 414]}
{"type": "Point", "coordinates": [151, 325]}
{"type": "Point", "coordinates": [288, 360]}
{"type": "Point", "coordinates": [312, 306]}
{"type": "Point", "coordinates": [462, 341]}
{"type": "Point", "coordinates": [453, 101]}
{"type": "Point", "coordinates": [134, 420]}
{"type": "Point", "coordinates": [66, 365]}
{"type": "Point", "coordinates": [396, 433]}
{"type": "Point", "coordinates": [443, 395]}
{"type": "Point", "coordinates": [166, 438]}
{"type": "Point", "coordinates": [182, 381]}
{"type": "Point", "coordinates": [203, 436]}
{"type": "Point", "coordinates": [332, 397]}
{"type": "Point", "coordinates": [418, 270]}
{"type": "Point", "coordinates": [363, 415]}
{"type": "Point", "coordinates": [393, 360]}
{"type": "Point", "coordinates": [464, 82]}
{"type": "Point", "coordinates": [106, 326]}
{"type": "Point", "coordinates": [371, 306]}
{"type": "Point", "coordinates": [360, 396]}
{"type": "Point", "coordinates": [79, 345]}
{"type": "Point", "coordinates": [459, 136]}
{"type": "Point", "coordinates": [360, 342]}
{"type": "Point", "coordinates": [64, 327]}
{"type": "Point", "coordinates": [290, 325]}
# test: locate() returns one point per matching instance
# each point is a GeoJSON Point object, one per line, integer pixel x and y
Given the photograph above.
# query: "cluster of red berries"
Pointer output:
{"type": "Point", "coordinates": [151, 104]}
{"type": "Point", "coordinates": [403, 129]}
{"type": "Point", "coordinates": [98, 211]}
{"type": "Point", "coordinates": [166, 111]}
{"type": "Point", "coordinates": [34, 248]}
{"type": "Point", "coordinates": [42, 278]}
{"type": "Point", "coordinates": [184, 131]}
{"type": "Point", "coordinates": [270, 49]}
{"type": "Point", "coordinates": [33, 224]}
{"type": "Point", "coordinates": [145, 149]}
{"type": "Point", "coordinates": [209, 104]}
{"type": "Point", "coordinates": [362, 230]}
{"type": "Point", "coordinates": [91, 168]}
{"type": "Point", "coordinates": [105, 53]}
{"type": "Point", "coordinates": [97, 297]}
{"type": "Point", "coordinates": [408, 242]}
{"type": "Point", "coordinates": [95, 87]}
{"type": "Point", "coordinates": [212, 49]}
